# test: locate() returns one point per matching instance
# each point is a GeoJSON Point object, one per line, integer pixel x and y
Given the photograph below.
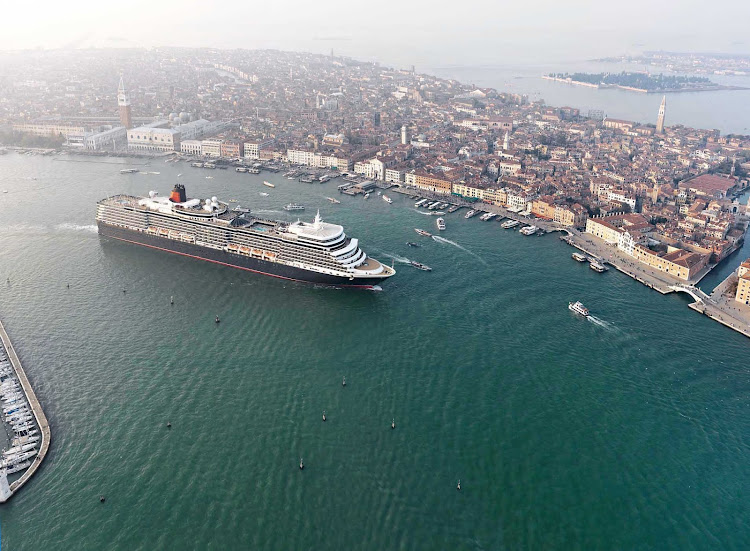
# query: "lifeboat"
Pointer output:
{"type": "Point", "coordinates": [162, 231]}
{"type": "Point", "coordinates": [257, 252]}
{"type": "Point", "coordinates": [245, 250]}
{"type": "Point", "coordinates": [232, 247]}
{"type": "Point", "coordinates": [269, 256]}
{"type": "Point", "coordinates": [152, 229]}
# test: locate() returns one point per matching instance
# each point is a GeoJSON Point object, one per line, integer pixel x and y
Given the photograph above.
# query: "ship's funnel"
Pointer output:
{"type": "Point", "coordinates": [178, 194]}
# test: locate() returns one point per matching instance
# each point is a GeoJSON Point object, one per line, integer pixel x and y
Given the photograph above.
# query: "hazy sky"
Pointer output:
{"type": "Point", "coordinates": [397, 32]}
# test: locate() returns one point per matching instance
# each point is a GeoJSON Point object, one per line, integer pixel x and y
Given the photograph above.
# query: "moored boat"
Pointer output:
{"type": "Point", "coordinates": [509, 224]}
{"type": "Point", "coordinates": [578, 257]}
{"type": "Point", "coordinates": [597, 267]}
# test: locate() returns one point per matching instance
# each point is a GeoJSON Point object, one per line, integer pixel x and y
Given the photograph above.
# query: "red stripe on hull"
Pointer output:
{"type": "Point", "coordinates": [367, 287]}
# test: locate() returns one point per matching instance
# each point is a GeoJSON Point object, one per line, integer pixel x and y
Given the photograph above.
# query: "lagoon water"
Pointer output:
{"type": "Point", "coordinates": [627, 431]}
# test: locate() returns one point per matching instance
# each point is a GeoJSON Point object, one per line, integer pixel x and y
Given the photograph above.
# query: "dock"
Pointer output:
{"type": "Point", "coordinates": [6, 492]}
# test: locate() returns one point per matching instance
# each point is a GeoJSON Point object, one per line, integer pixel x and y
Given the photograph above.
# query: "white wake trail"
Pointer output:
{"type": "Point", "coordinates": [449, 242]}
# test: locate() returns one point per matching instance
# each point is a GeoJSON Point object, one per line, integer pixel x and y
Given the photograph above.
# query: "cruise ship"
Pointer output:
{"type": "Point", "coordinates": [313, 252]}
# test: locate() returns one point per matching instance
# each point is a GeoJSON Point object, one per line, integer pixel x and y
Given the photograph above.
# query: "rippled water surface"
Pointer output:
{"type": "Point", "coordinates": [626, 431]}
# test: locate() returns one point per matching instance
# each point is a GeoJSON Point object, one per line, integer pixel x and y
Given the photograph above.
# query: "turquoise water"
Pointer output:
{"type": "Point", "coordinates": [627, 431]}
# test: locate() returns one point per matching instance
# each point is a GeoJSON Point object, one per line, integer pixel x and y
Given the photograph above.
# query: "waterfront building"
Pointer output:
{"type": "Point", "coordinates": [677, 262]}
{"type": "Point", "coordinates": [232, 150]}
{"type": "Point", "coordinates": [211, 147]}
{"type": "Point", "coordinates": [113, 138]}
{"type": "Point", "coordinates": [253, 149]}
{"type": "Point", "coordinates": [46, 129]}
{"type": "Point", "coordinates": [123, 104]}
{"type": "Point", "coordinates": [429, 182]}
{"type": "Point", "coordinates": [743, 283]}
{"type": "Point", "coordinates": [154, 138]}
{"type": "Point", "coordinates": [660, 118]}
{"type": "Point", "coordinates": [191, 147]}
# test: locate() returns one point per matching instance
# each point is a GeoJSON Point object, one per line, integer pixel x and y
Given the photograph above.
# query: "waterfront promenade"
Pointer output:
{"type": "Point", "coordinates": [717, 306]}
{"type": "Point", "coordinates": [41, 419]}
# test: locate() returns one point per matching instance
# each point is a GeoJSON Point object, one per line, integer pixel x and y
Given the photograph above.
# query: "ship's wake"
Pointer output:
{"type": "Point", "coordinates": [77, 227]}
{"type": "Point", "coordinates": [449, 242]}
{"type": "Point", "coordinates": [422, 212]}
{"type": "Point", "coordinates": [601, 323]}
{"type": "Point", "coordinates": [397, 258]}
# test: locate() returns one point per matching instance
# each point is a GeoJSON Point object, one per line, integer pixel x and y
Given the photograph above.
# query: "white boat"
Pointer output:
{"type": "Point", "coordinates": [367, 195]}
{"type": "Point", "coordinates": [470, 214]}
{"type": "Point", "coordinates": [597, 267]}
{"type": "Point", "coordinates": [487, 216]}
{"type": "Point", "coordinates": [294, 206]}
{"type": "Point", "coordinates": [263, 194]}
{"type": "Point", "coordinates": [529, 230]}
{"type": "Point", "coordinates": [578, 257]}
{"type": "Point", "coordinates": [17, 467]}
{"type": "Point", "coordinates": [240, 169]}
{"type": "Point", "coordinates": [578, 308]}
{"type": "Point", "coordinates": [422, 232]}
{"type": "Point", "coordinates": [269, 184]}
{"type": "Point", "coordinates": [387, 199]}
{"type": "Point", "coordinates": [128, 171]}
{"type": "Point", "coordinates": [334, 201]}
{"type": "Point", "coordinates": [420, 203]}
{"type": "Point", "coordinates": [441, 224]}
{"type": "Point", "coordinates": [509, 224]}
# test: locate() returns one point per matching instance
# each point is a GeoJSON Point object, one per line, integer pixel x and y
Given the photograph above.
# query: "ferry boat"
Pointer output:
{"type": "Point", "coordinates": [529, 230]}
{"type": "Point", "coordinates": [334, 201]}
{"type": "Point", "coordinates": [509, 224]}
{"type": "Point", "coordinates": [578, 257]}
{"type": "Point", "coordinates": [128, 171]}
{"type": "Point", "coordinates": [487, 216]}
{"type": "Point", "coordinates": [597, 267]}
{"type": "Point", "coordinates": [578, 308]}
{"type": "Point", "coordinates": [420, 266]}
{"type": "Point", "coordinates": [313, 252]}
{"type": "Point", "coordinates": [294, 206]}
{"type": "Point", "coordinates": [440, 224]}
{"type": "Point", "coordinates": [269, 184]}
{"type": "Point", "coordinates": [422, 232]}
{"type": "Point", "coordinates": [387, 199]}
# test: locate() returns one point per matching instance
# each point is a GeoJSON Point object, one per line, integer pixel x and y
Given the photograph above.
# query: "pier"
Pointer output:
{"type": "Point", "coordinates": [41, 421]}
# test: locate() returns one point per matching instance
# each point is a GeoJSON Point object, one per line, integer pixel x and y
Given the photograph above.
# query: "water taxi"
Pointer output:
{"type": "Point", "coordinates": [441, 224]}
{"type": "Point", "coordinates": [387, 199]}
{"type": "Point", "coordinates": [334, 201]}
{"type": "Point", "coordinates": [269, 184]}
{"type": "Point", "coordinates": [470, 214]}
{"type": "Point", "coordinates": [578, 308]}
{"type": "Point", "coordinates": [509, 224]}
{"type": "Point", "coordinates": [420, 266]}
{"type": "Point", "coordinates": [422, 232]}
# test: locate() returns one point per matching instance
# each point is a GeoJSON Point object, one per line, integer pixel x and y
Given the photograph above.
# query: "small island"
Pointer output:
{"type": "Point", "coordinates": [640, 82]}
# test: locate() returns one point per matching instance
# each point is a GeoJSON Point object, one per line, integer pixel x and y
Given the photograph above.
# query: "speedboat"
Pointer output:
{"type": "Point", "coordinates": [269, 184]}
{"type": "Point", "coordinates": [578, 308]}
{"type": "Point", "coordinates": [420, 266]}
{"type": "Point", "coordinates": [334, 201]}
{"type": "Point", "coordinates": [422, 232]}
{"type": "Point", "coordinates": [470, 214]}
{"type": "Point", "coordinates": [387, 199]}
